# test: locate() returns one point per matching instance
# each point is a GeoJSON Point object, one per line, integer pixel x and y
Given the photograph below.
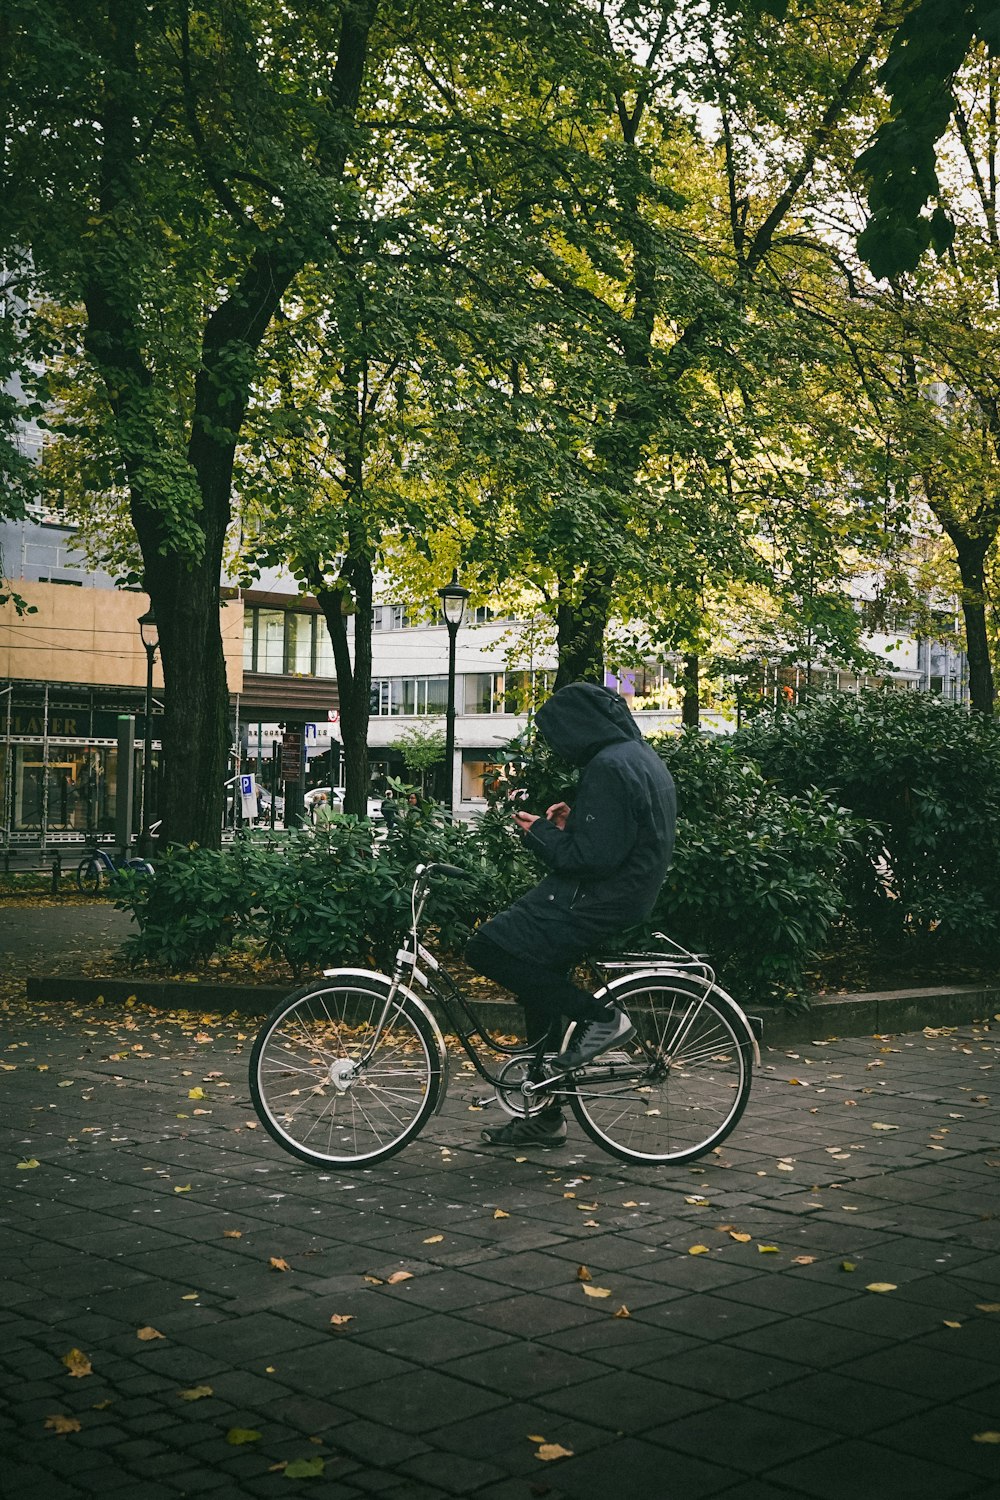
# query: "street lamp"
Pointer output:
{"type": "Point", "coordinates": [453, 598]}
{"type": "Point", "coordinates": [150, 640]}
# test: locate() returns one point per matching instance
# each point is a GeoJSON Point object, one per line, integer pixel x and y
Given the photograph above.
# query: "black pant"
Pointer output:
{"type": "Point", "coordinates": [546, 994]}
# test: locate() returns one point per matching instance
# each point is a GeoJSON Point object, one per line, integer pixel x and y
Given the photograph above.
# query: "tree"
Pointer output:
{"type": "Point", "coordinates": [171, 172]}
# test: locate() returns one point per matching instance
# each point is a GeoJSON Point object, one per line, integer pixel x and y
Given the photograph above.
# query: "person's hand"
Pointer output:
{"type": "Point", "coordinates": [558, 813]}
{"type": "Point", "coordinates": [524, 820]}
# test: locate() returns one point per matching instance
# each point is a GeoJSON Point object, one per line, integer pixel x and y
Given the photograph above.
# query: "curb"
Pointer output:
{"type": "Point", "coordinates": [827, 1018]}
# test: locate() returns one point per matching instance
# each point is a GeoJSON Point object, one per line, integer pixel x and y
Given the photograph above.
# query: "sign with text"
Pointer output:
{"type": "Point", "coordinates": [248, 795]}
{"type": "Point", "coordinates": [291, 755]}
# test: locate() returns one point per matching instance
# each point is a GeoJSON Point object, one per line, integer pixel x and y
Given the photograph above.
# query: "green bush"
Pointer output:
{"type": "Point", "coordinates": [924, 776]}
{"type": "Point", "coordinates": [757, 875]}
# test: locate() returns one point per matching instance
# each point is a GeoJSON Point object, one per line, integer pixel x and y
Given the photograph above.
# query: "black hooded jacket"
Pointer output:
{"type": "Point", "coordinates": [608, 863]}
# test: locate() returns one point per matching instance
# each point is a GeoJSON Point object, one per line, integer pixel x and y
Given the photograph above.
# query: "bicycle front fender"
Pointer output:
{"type": "Point", "coordinates": [383, 982]}
{"type": "Point", "coordinates": [690, 982]}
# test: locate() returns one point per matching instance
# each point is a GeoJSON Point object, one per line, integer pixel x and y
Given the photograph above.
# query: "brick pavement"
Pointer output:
{"type": "Point", "coordinates": [744, 1371]}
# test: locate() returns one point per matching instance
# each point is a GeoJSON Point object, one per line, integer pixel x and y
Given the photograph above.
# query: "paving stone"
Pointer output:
{"type": "Point", "coordinates": [751, 1440]}
{"type": "Point", "coordinates": [421, 1400]}
{"type": "Point", "coordinates": [626, 1402]}
{"type": "Point", "coordinates": [649, 1468]}
{"type": "Point", "coordinates": [846, 1405]}
{"type": "Point", "coordinates": [855, 1468]}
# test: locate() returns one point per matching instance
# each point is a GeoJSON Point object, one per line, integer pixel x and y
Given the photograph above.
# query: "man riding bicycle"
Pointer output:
{"type": "Point", "coordinates": [607, 857]}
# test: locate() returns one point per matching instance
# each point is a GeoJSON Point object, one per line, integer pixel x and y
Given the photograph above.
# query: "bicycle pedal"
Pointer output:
{"type": "Point", "coordinates": [484, 1101]}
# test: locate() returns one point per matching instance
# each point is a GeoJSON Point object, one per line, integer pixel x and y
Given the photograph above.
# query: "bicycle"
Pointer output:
{"type": "Point", "coordinates": [346, 1071]}
{"type": "Point", "coordinates": [99, 867]}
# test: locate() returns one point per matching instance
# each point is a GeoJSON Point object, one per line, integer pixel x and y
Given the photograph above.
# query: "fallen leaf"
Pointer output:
{"type": "Point", "coordinates": [878, 1125]}
{"type": "Point", "coordinates": [740, 1237]}
{"type": "Point", "coordinates": [698, 1202]}
{"type": "Point", "coordinates": [232, 1234]}
{"type": "Point", "coordinates": [196, 1093]}
{"type": "Point", "coordinates": [881, 1286]}
{"type": "Point", "coordinates": [398, 1276]}
{"type": "Point", "coordinates": [596, 1291]}
{"type": "Point", "coordinates": [374, 1280]}
{"type": "Point", "coordinates": [26, 1166]}
{"type": "Point", "coordinates": [196, 1393]}
{"type": "Point", "coordinates": [622, 1312]}
{"type": "Point", "coordinates": [498, 1213]}
{"type": "Point", "coordinates": [986, 1437]}
{"type": "Point", "coordinates": [339, 1319]}
{"type": "Point", "coordinates": [582, 1274]}
{"type": "Point", "coordinates": [190, 1296]}
{"type": "Point", "coordinates": [434, 1239]}
{"type": "Point", "coordinates": [591, 1224]}
{"type": "Point", "coordinates": [699, 1250]}
{"type": "Point", "coordinates": [62, 1424]}
{"type": "Point", "coordinates": [630, 1203]}
{"type": "Point", "coordinates": [848, 1265]}
{"type": "Point", "coordinates": [239, 1435]}
{"type": "Point", "coordinates": [768, 1249]}
{"type": "Point", "coordinates": [277, 1264]}
{"type": "Point", "coordinates": [185, 1189]}
{"type": "Point", "coordinates": [147, 1334]}
{"type": "Point", "coordinates": [534, 1438]}
{"type": "Point", "coordinates": [305, 1468]}
{"type": "Point", "coordinates": [549, 1451]}
{"type": "Point", "coordinates": [77, 1363]}
{"type": "Point", "coordinates": [949, 1324]}
{"type": "Point", "coordinates": [804, 1260]}
{"type": "Point", "coordinates": [988, 1306]}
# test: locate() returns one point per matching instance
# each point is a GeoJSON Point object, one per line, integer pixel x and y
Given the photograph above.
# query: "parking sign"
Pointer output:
{"type": "Point", "coordinates": [248, 795]}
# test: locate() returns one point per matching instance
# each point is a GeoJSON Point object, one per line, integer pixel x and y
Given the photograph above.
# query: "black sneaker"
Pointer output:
{"type": "Point", "coordinates": [591, 1038]}
{"type": "Point", "coordinates": [546, 1129]}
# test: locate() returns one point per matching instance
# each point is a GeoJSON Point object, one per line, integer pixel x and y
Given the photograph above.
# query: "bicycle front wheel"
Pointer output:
{"type": "Point", "coordinates": [90, 873]}
{"type": "Point", "coordinates": [333, 1084]}
{"type": "Point", "coordinates": [679, 1085]}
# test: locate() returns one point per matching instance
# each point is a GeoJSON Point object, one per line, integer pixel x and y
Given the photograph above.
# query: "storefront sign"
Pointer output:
{"type": "Point", "coordinates": [291, 755]}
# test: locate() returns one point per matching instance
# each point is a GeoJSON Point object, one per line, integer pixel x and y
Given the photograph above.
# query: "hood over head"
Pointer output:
{"type": "Point", "coordinates": [582, 718]}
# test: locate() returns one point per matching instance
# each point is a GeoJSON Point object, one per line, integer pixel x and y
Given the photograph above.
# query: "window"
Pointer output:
{"type": "Point", "coordinates": [390, 617]}
{"type": "Point", "coordinates": [298, 635]}
{"type": "Point", "coordinates": [505, 692]}
{"type": "Point", "coordinates": [409, 695]}
{"type": "Point", "coordinates": [279, 641]}
{"type": "Point", "coordinates": [270, 651]}
{"type": "Point", "coordinates": [325, 664]}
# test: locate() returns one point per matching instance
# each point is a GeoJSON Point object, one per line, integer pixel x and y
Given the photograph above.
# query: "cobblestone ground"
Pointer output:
{"type": "Point", "coordinates": [186, 1310]}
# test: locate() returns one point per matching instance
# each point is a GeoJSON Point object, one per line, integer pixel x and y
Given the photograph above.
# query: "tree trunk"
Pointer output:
{"type": "Point", "coordinates": [691, 705]}
{"type": "Point", "coordinates": [581, 620]}
{"type": "Point", "coordinates": [354, 678]}
{"type": "Point", "coordinates": [971, 554]}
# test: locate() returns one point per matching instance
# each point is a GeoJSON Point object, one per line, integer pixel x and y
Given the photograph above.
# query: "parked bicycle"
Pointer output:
{"type": "Point", "coordinates": [348, 1070]}
{"type": "Point", "coordinates": [99, 867]}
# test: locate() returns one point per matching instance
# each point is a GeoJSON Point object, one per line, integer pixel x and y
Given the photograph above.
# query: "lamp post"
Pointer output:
{"type": "Point", "coordinates": [453, 598]}
{"type": "Point", "coordinates": [150, 640]}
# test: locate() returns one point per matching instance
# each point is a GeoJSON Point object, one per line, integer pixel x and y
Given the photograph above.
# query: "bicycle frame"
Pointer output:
{"type": "Point", "coordinates": [415, 961]}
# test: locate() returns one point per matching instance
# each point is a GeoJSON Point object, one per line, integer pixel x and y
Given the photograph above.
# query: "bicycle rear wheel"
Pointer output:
{"type": "Point", "coordinates": [327, 1091]}
{"type": "Point", "coordinates": [679, 1085]}
{"type": "Point", "coordinates": [90, 873]}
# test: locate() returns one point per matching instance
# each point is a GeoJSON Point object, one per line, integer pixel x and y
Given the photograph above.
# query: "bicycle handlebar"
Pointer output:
{"type": "Point", "coordinates": [449, 871]}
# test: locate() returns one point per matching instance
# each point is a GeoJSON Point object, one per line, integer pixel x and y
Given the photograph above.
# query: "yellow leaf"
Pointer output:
{"type": "Point", "coordinates": [62, 1424]}
{"type": "Point", "coordinates": [534, 1438]}
{"type": "Point", "coordinates": [498, 1213]}
{"type": "Point", "coordinates": [195, 1393]}
{"type": "Point", "coordinates": [26, 1166]}
{"type": "Point", "coordinates": [374, 1280]}
{"type": "Point", "coordinates": [398, 1276]}
{"type": "Point", "coordinates": [147, 1334]}
{"type": "Point", "coordinates": [988, 1306]}
{"type": "Point", "coordinates": [240, 1435]}
{"type": "Point", "coordinates": [881, 1286]}
{"type": "Point", "coordinates": [622, 1312]}
{"type": "Point", "coordinates": [596, 1291]}
{"type": "Point", "coordinates": [339, 1319]}
{"type": "Point", "coordinates": [232, 1234]}
{"type": "Point", "coordinates": [949, 1324]}
{"type": "Point", "coordinates": [701, 1249]}
{"type": "Point", "coordinates": [740, 1237]}
{"type": "Point", "coordinates": [434, 1239]}
{"type": "Point", "coordinates": [878, 1125]}
{"type": "Point", "coordinates": [848, 1265]}
{"type": "Point", "coordinates": [190, 1296]}
{"type": "Point", "coordinates": [185, 1189]}
{"type": "Point", "coordinates": [986, 1437]}
{"type": "Point", "coordinates": [549, 1451]}
{"type": "Point", "coordinates": [768, 1249]}
{"type": "Point", "coordinates": [277, 1264]}
{"type": "Point", "coordinates": [77, 1363]}
{"type": "Point", "coordinates": [582, 1274]}
{"type": "Point", "coordinates": [198, 1093]}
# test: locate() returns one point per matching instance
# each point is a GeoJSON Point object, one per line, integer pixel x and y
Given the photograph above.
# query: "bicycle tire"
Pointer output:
{"type": "Point", "coordinates": [316, 1096]}
{"type": "Point", "coordinates": [697, 1079]}
{"type": "Point", "coordinates": [89, 874]}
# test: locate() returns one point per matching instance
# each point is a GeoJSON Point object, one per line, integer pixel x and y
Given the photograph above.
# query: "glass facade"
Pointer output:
{"type": "Point", "coordinates": [409, 695]}
{"type": "Point", "coordinates": [287, 642]}
{"type": "Point", "coordinates": [505, 692]}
